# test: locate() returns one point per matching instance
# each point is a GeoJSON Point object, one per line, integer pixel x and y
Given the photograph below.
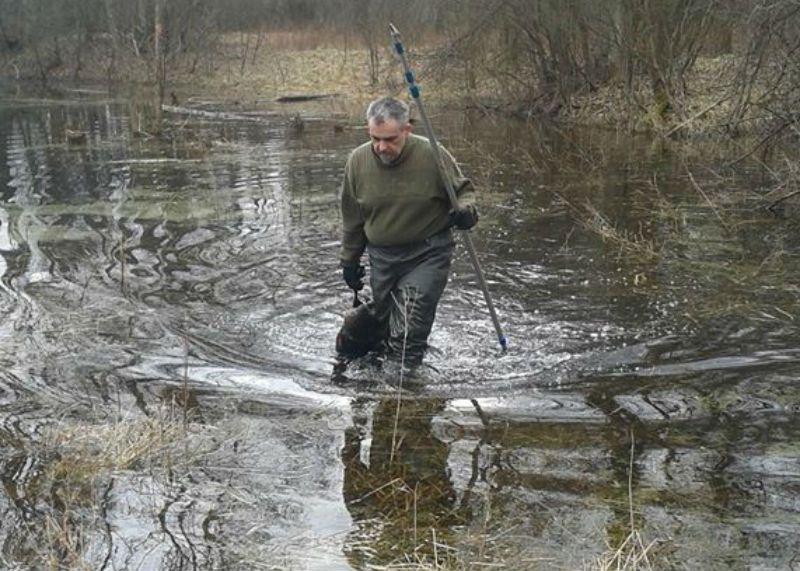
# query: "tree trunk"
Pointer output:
{"type": "Point", "coordinates": [159, 60]}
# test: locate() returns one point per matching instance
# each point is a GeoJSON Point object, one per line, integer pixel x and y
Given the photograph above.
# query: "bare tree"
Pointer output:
{"type": "Point", "coordinates": [367, 15]}
{"type": "Point", "coordinates": [538, 56]}
{"type": "Point", "coordinates": [160, 68]}
{"type": "Point", "coordinates": [768, 74]}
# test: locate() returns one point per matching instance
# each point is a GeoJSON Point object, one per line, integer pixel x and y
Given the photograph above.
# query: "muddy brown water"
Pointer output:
{"type": "Point", "coordinates": [131, 265]}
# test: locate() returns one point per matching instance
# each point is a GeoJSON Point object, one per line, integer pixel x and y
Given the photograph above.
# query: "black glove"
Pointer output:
{"type": "Point", "coordinates": [352, 273]}
{"type": "Point", "coordinates": [463, 217]}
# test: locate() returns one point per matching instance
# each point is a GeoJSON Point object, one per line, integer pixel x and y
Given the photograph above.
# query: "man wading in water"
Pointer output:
{"type": "Point", "coordinates": [395, 205]}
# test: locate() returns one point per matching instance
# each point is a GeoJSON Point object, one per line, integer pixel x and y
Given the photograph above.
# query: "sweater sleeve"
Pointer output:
{"type": "Point", "coordinates": [354, 240]}
{"type": "Point", "coordinates": [463, 187]}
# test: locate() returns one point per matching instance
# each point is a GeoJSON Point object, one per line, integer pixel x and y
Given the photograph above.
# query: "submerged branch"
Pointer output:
{"type": "Point", "coordinates": [702, 193]}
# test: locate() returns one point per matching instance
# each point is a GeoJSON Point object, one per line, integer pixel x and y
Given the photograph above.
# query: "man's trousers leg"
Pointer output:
{"type": "Point", "coordinates": [407, 283]}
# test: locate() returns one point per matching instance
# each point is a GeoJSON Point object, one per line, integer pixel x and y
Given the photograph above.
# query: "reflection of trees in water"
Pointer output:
{"type": "Point", "coordinates": [26, 169]}
{"type": "Point", "coordinates": [397, 484]}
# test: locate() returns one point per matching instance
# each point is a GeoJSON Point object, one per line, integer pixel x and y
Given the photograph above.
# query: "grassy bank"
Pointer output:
{"type": "Point", "coordinates": [253, 69]}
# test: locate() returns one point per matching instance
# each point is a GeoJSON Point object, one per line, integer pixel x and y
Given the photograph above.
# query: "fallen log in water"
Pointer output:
{"type": "Point", "coordinates": [210, 114]}
{"type": "Point", "coordinates": [299, 97]}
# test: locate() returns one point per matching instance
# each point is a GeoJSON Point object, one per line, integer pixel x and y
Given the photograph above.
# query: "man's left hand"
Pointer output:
{"type": "Point", "coordinates": [463, 217]}
{"type": "Point", "coordinates": [353, 272]}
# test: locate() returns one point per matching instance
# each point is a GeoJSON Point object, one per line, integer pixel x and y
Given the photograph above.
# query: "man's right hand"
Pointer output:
{"type": "Point", "coordinates": [463, 217]}
{"type": "Point", "coordinates": [353, 274]}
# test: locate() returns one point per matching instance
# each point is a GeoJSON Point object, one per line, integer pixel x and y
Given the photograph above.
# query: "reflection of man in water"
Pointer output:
{"type": "Point", "coordinates": [396, 483]}
{"type": "Point", "coordinates": [395, 205]}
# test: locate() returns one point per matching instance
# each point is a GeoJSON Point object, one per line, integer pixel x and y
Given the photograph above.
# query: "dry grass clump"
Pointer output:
{"type": "Point", "coordinates": [631, 555]}
{"type": "Point", "coordinates": [635, 244]}
{"type": "Point", "coordinates": [474, 551]}
{"type": "Point", "coordinates": [87, 451]}
{"type": "Point", "coordinates": [629, 243]}
{"type": "Point", "coordinates": [79, 464]}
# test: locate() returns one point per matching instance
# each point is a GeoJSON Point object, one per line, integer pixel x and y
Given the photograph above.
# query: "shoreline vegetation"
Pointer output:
{"type": "Point", "coordinates": [293, 71]}
{"type": "Point", "coordinates": [696, 71]}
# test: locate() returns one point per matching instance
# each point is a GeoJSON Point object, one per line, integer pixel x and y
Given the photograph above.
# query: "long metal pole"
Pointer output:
{"type": "Point", "coordinates": [451, 193]}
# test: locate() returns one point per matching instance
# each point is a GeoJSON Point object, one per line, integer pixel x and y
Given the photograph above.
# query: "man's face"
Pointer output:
{"type": "Point", "coordinates": [388, 138]}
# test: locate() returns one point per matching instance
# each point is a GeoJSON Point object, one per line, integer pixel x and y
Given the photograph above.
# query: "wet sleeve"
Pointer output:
{"type": "Point", "coordinates": [353, 238]}
{"type": "Point", "coordinates": [463, 187]}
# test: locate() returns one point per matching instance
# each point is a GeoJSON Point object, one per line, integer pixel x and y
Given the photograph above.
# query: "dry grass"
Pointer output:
{"type": "Point", "coordinates": [250, 69]}
{"type": "Point", "coordinates": [629, 243]}
{"type": "Point", "coordinates": [290, 63]}
{"type": "Point", "coordinates": [70, 489]}
{"type": "Point", "coordinates": [89, 451]}
{"type": "Point", "coordinates": [631, 555]}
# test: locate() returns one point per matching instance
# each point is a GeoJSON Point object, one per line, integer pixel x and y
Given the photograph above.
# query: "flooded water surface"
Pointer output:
{"type": "Point", "coordinates": [179, 295]}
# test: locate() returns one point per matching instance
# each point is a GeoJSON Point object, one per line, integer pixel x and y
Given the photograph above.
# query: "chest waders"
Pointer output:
{"type": "Point", "coordinates": [407, 283]}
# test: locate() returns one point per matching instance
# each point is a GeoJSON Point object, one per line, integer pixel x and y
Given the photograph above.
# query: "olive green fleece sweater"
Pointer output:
{"type": "Point", "coordinates": [397, 204]}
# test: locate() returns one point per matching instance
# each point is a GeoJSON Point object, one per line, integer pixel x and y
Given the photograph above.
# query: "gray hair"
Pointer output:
{"type": "Point", "coordinates": [386, 108]}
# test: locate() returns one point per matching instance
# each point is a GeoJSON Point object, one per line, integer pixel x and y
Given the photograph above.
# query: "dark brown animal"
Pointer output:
{"type": "Point", "coordinates": [361, 332]}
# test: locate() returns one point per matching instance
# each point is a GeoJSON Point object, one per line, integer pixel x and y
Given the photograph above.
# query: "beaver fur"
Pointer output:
{"type": "Point", "coordinates": [360, 333]}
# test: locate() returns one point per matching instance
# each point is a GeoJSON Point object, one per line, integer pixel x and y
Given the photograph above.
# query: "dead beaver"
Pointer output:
{"type": "Point", "coordinates": [361, 331]}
